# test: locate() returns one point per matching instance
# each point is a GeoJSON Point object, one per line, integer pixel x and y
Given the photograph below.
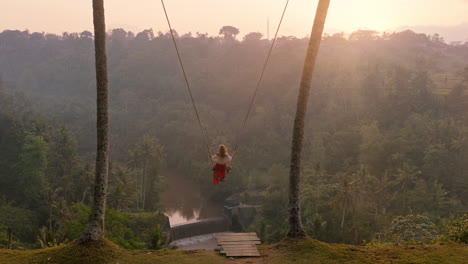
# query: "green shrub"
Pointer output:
{"type": "Point", "coordinates": [128, 230]}
{"type": "Point", "coordinates": [458, 230]}
{"type": "Point", "coordinates": [411, 229]}
{"type": "Point", "coordinates": [119, 232]}
{"type": "Point", "coordinates": [50, 238]}
{"type": "Point", "coordinates": [23, 222]}
{"type": "Point", "coordinates": [154, 238]}
{"type": "Point", "coordinates": [116, 225]}
{"type": "Point", "coordinates": [3, 236]}
{"type": "Point", "coordinates": [74, 225]}
{"type": "Point", "coordinates": [147, 227]}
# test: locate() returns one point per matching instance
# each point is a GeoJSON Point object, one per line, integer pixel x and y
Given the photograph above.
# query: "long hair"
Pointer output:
{"type": "Point", "coordinates": [223, 152]}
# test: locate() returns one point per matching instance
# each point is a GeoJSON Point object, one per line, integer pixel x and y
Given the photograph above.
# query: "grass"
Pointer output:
{"type": "Point", "coordinates": [103, 253]}
{"type": "Point", "coordinates": [285, 252]}
{"type": "Point", "coordinates": [312, 251]}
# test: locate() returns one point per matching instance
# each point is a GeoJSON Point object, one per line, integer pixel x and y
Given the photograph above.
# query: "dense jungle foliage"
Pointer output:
{"type": "Point", "coordinates": [386, 138]}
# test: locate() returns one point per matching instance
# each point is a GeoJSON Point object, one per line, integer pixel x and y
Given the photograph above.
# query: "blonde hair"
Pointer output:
{"type": "Point", "coordinates": [223, 152]}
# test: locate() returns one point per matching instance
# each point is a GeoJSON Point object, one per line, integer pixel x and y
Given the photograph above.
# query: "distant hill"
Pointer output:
{"type": "Point", "coordinates": [449, 33]}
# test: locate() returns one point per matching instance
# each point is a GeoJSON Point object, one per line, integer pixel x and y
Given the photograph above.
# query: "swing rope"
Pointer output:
{"type": "Point", "coordinates": [187, 83]}
{"type": "Point", "coordinates": [252, 99]}
{"type": "Point", "coordinates": [260, 79]}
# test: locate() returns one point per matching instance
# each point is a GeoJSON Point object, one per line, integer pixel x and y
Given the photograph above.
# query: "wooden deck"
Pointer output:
{"type": "Point", "coordinates": [238, 244]}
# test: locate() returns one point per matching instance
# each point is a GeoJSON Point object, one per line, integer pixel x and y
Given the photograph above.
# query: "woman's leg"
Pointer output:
{"type": "Point", "coordinates": [215, 178]}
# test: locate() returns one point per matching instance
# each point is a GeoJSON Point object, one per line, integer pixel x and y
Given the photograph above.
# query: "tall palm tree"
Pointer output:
{"type": "Point", "coordinates": [94, 230]}
{"type": "Point", "coordinates": [347, 194]}
{"type": "Point", "coordinates": [295, 225]}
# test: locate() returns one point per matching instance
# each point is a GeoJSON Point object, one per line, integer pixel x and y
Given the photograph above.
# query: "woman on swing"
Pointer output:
{"type": "Point", "coordinates": [221, 167]}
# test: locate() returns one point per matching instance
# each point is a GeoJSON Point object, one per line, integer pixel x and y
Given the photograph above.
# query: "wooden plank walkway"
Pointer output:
{"type": "Point", "coordinates": [238, 244]}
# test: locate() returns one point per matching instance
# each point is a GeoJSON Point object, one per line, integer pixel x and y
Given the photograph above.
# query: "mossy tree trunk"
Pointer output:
{"type": "Point", "coordinates": [94, 230]}
{"type": "Point", "coordinates": [295, 225]}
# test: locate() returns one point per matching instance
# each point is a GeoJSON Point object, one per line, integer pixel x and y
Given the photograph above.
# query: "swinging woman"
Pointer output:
{"type": "Point", "coordinates": [222, 160]}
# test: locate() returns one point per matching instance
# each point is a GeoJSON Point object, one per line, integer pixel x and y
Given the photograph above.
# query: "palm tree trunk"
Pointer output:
{"type": "Point", "coordinates": [344, 214]}
{"type": "Point", "coordinates": [143, 185]}
{"type": "Point", "coordinates": [136, 193]}
{"type": "Point", "coordinates": [295, 225]}
{"type": "Point", "coordinates": [94, 230]}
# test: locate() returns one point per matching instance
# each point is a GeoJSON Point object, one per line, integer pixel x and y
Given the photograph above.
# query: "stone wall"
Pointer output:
{"type": "Point", "coordinates": [200, 227]}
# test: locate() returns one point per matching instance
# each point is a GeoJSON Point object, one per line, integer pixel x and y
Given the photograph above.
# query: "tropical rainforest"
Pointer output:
{"type": "Point", "coordinates": [385, 151]}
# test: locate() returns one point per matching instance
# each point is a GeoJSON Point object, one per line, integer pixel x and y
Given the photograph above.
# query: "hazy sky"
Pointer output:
{"type": "Point", "coordinates": [209, 16]}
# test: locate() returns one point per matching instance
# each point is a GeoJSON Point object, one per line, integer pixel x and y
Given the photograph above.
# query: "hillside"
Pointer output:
{"type": "Point", "coordinates": [385, 137]}
{"type": "Point", "coordinates": [287, 251]}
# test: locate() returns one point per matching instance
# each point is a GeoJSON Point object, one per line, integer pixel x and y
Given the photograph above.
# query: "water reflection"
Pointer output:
{"type": "Point", "coordinates": [183, 200]}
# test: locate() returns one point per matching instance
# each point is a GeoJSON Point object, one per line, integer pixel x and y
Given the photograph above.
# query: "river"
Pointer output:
{"type": "Point", "coordinates": [183, 200]}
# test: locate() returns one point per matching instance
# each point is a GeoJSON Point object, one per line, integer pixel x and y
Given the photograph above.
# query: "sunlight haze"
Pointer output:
{"type": "Point", "coordinates": [247, 15]}
{"type": "Point", "coordinates": [339, 141]}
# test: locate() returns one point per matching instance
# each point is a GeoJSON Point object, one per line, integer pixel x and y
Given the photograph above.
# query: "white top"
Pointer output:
{"type": "Point", "coordinates": [217, 159]}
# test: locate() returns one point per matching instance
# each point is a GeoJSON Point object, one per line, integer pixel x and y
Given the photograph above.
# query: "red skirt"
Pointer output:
{"type": "Point", "coordinates": [219, 172]}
